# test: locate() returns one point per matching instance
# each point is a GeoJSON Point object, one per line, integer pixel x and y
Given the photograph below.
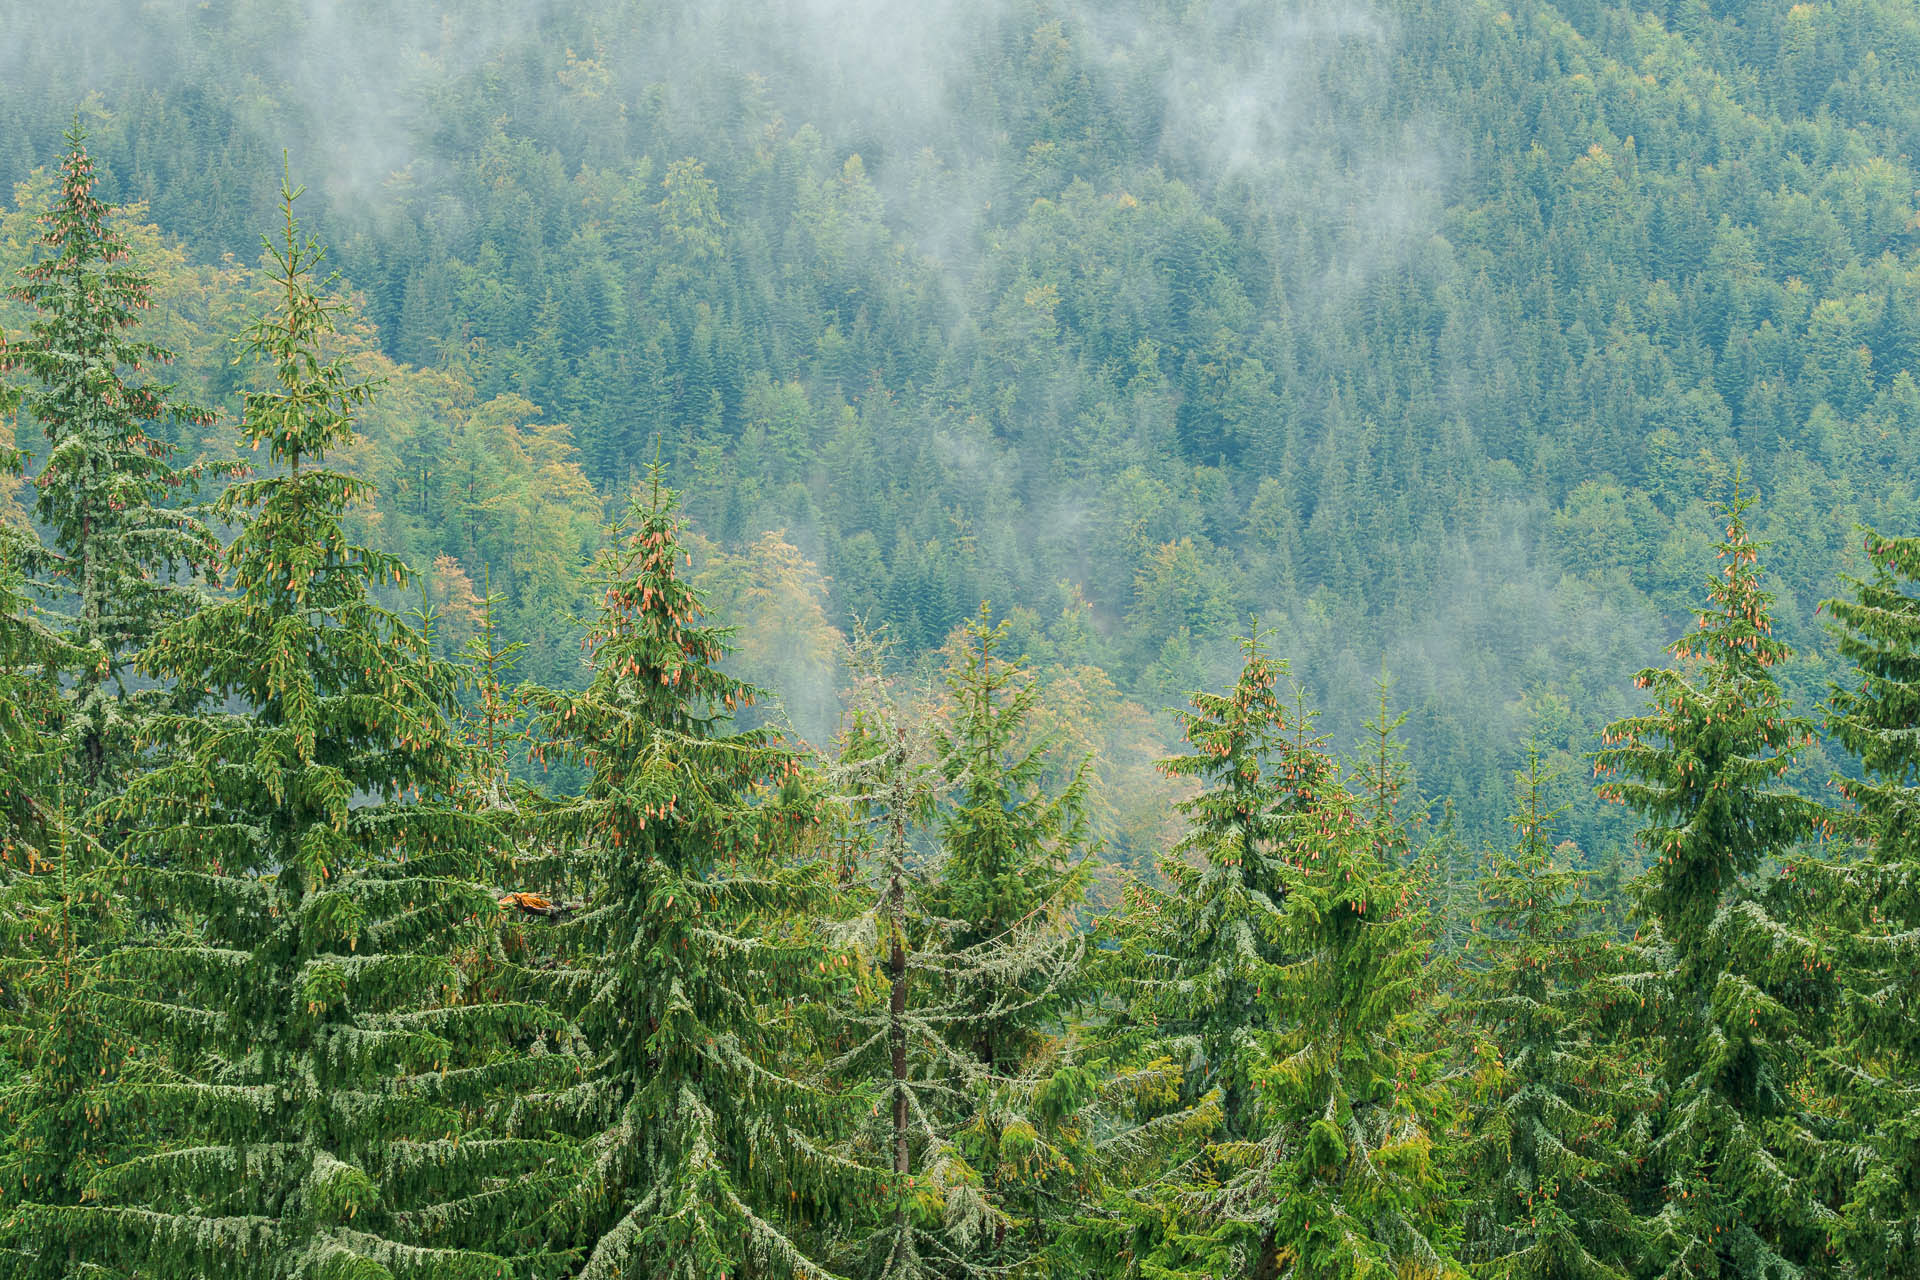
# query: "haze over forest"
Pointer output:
{"type": "Point", "coordinates": [1423, 339]}
{"type": "Point", "coordinates": [1028, 303]}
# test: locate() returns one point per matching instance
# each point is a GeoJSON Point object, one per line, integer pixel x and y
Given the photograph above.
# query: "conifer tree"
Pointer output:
{"type": "Point", "coordinates": [29, 660]}
{"type": "Point", "coordinates": [1275, 984]}
{"type": "Point", "coordinates": [888, 769]}
{"type": "Point", "coordinates": [1545, 1153]}
{"type": "Point", "coordinates": [57, 914]}
{"type": "Point", "coordinates": [1012, 872]}
{"type": "Point", "coordinates": [126, 559]}
{"type": "Point", "coordinates": [1342, 1176]}
{"type": "Point", "coordinates": [695, 974]}
{"type": "Point", "coordinates": [1013, 857]}
{"type": "Point", "coordinates": [1384, 782]}
{"type": "Point", "coordinates": [1876, 903]}
{"type": "Point", "coordinates": [490, 725]}
{"type": "Point", "coordinates": [1201, 959]}
{"type": "Point", "coordinates": [1734, 1003]}
{"type": "Point", "coordinates": [1441, 875]}
{"type": "Point", "coordinates": [320, 1070]}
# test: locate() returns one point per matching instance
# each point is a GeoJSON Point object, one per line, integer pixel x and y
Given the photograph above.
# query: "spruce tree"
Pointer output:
{"type": "Point", "coordinates": [889, 773]}
{"type": "Point", "coordinates": [1200, 959]}
{"type": "Point", "coordinates": [491, 723]}
{"type": "Point", "coordinates": [696, 973]}
{"type": "Point", "coordinates": [1545, 1153]}
{"type": "Point", "coordinates": [63, 1058]}
{"type": "Point", "coordinates": [58, 913]}
{"type": "Point", "coordinates": [1876, 902]}
{"type": "Point", "coordinates": [1384, 782]}
{"type": "Point", "coordinates": [1735, 1005]}
{"type": "Point", "coordinates": [1012, 872]}
{"type": "Point", "coordinates": [30, 657]}
{"type": "Point", "coordinates": [1270, 1040]}
{"type": "Point", "coordinates": [1342, 1176]}
{"type": "Point", "coordinates": [127, 560]}
{"type": "Point", "coordinates": [1013, 857]}
{"type": "Point", "coordinates": [320, 1067]}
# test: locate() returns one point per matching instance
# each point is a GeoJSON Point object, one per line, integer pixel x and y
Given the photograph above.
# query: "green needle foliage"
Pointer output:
{"type": "Point", "coordinates": [1877, 904]}
{"type": "Point", "coordinates": [695, 974]}
{"type": "Point", "coordinates": [1201, 958]}
{"type": "Point", "coordinates": [1546, 1154]}
{"type": "Point", "coordinates": [1014, 862]}
{"type": "Point", "coordinates": [1342, 1175]}
{"type": "Point", "coordinates": [29, 701]}
{"type": "Point", "coordinates": [58, 913]}
{"type": "Point", "coordinates": [897, 1026]}
{"type": "Point", "coordinates": [1735, 1003]}
{"type": "Point", "coordinates": [1014, 866]}
{"type": "Point", "coordinates": [127, 560]}
{"type": "Point", "coordinates": [318, 1069]}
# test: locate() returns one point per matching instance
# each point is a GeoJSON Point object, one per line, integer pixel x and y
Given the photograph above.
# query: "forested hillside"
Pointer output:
{"type": "Point", "coordinates": [1422, 331]}
{"type": "Point", "coordinates": [959, 643]}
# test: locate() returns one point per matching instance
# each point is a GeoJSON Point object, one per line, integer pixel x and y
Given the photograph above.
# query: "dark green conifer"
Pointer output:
{"type": "Point", "coordinates": [29, 702]}
{"type": "Point", "coordinates": [1876, 902]}
{"type": "Point", "coordinates": [1201, 959]}
{"type": "Point", "coordinates": [127, 560]}
{"type": "Point", "coordinates": [1733, 1003]}
{"type": "Point", "coordinates": [1013, 856]}
{"type": "Point", "coordinates": [1545, 1153]}
{"type": "Point", "coordinates": [1012, 873]}
{"type": "Point", "coordinates": [319, 1067]}
{"type": "Point", "coordinates": [889, 772]}
{"type": "Point", "coordinates": [697, 972]}
{"type": "Point", "coordinates": [1343, 1173]}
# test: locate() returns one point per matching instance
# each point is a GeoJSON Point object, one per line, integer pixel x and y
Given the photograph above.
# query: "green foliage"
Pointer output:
{"type": "Point", "coordinates": [1875, 903]}
{"type": "Point", "coordinates": [63, 1055]}
{"type": "Point", "coordinates": [1201, 957]}
{"type": "Point", "coordinates": [1548, 1153]}
{"type": "Point", "coordinates": [319, 1063]}
{"type": "Point", "coordinates": [1014, 861]}
{"type": "Point", "coordinates": [1283, 1115]}
{"type": "Point", "coordinates": [125, 558]}
{"type": "Point", "coordinates": [1735, 999]}
{"type": "Point", "coordinates": [696, 974]}
{"type": "Point", "coordinates": [1015, 856]}
{"type": "Point", "coordinates": [1343, 1178]}
{"type": "Point", "coordinates": [1413, 333]}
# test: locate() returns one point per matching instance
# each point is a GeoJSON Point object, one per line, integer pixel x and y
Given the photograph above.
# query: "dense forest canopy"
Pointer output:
{"type": "Point", "coordinates": [1421, 331]}
{"type": "Point", "coordinates": [928, 640]}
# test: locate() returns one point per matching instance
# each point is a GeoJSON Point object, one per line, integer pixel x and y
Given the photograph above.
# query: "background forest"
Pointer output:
{"type": "Point", "coordinates": [1424, 332]}
{"type": "Point", "coordinates": [507, 769]}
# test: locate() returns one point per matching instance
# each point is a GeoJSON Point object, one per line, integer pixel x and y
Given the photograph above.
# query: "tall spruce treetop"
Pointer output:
{"type": "Point", "coordinates": [1704, 767]}
{"type": "Point", "coordinates": [321, 1061]}
{"type": "Point", "coordinates": [1877, 905]}
{"type": "Point", "coordinates": [1200, 959]}
{"type": "Point", "coordinates": [1341, 1181]}
{"type": "Point", "coordinates": [1546, 1152]}
{"type": "Point", "coordinates": [702, 1150]}
{"type": "Point", "coordinates": [1384, 782]}
{"type": "Point", "coordinates": [1012, 872]}
{"type": "Point", "coordinates": [57, 912]}
{"type": "Point", "coordinates": [127, 559]}
{"type": "Point", "coordinates": [1013, 868]}
{"type": "Point", "coordinates": [892, 780]}
{"type": "Point", "coordinates": [1200, 951]}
